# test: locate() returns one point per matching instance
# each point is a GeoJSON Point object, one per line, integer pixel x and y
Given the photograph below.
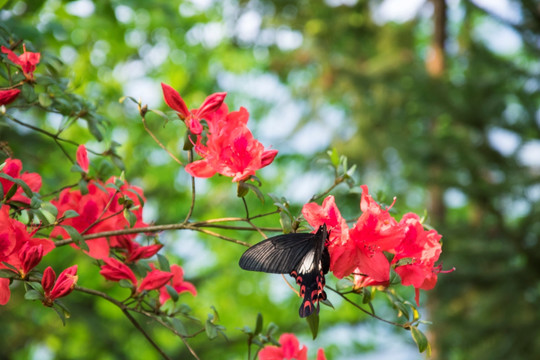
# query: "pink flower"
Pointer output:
{"type": "Point", "coordinates": [419, 250]}
{"type": "Point", "coordinates": [154, 280]}
{"type": "Point", "coordinates": [134, 252]}
{"type": "Point", "coordinates": [99, 211]}
{"type": "Point", "coordinates": [374, 232]}
{"type": "Point", "coordinates": [27, 61]}
{"type": "Point", "coordinates": [82, 158]}
{"type": "Point", "coordinates": [13, 168]}
{"type": "Point", "coordinates": [289, 349]}
{"type": "Point", "coordinates": [5, 293]}
{"type": "Point", "coordinates": [231, 149]}
{"type": "Point", "coordinates": [8, 96]}
{"type": "Point", "coordinates": [192, 118]}
{"type": "Point", "coordinates": [63, 286]}
{"type": "Point", "coordinates": [114, 270]}
{"type": "Point", "coordinates": [29, 256]}
{"type": "Point", "coordinates": [178, 284]}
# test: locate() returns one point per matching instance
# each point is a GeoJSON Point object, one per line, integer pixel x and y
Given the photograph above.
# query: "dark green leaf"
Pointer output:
{"type": "Point", "coordinates": [70, 214]}
{"type": "Point", "coordinates": [179, 326]}
{"type": "Point", "coordinates": [130, 217]}
{"type": "Point", "coordinates": [313, 322]}
{"type": "Point", "coordinates": [211, 330]}
{"type": "Point", "coordinates": [7, 274]}
{"type": "Point", "coordinates": [163, 263]}
{"type": "Point", "coordinates": [33, 295]}
{"type": "Point", "coordinates": [258, 324]}
{"type": "Point", "coordinates": [76, 237]}
{"type": "Point", "coordinates": [172, 292]}
{"type": "Point", "coordinates": [419, 338]}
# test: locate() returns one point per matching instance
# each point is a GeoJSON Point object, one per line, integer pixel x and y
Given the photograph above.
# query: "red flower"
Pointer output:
{"type": "Point", "coordinates": [154, 280]}
{"type": "Point", "coordinates": [419, 250]}
{"type": "Point", "coordinates": [289, 349]}
{"type": "Point", "coordinates": [8, 96]}
{"type": "Point", "coordinates": [134, 252]}
{"type": "Point", "coordinates": [29, 256]}
{"type": "Point", "coordinates": [82, 158]}
{"type": "Point", "coordinates": [192, 118]}
{"type": "Point", "coordinates": [13, 167]}
{"type": "Point", "coordinates": [18, 248]}
{"type": "Point", "coordinates": [27, 61]}
{"type": "Point", "coordinates": [178, 284]}
{"type": "Point", "coordinates": [99, 211]}
{"type": "Point", "coordinates": [374, 232]}
{"type": "Point", "coordinates": [231, 149]}
{"type": "Point", "coordinates": [63, 286]}
{"type": "Point", "coordinates": [114, 270]}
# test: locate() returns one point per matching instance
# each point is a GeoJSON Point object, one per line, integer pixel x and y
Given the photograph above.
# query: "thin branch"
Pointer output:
{"type": "Point", "coordinates": [222, 237]}
{"type": "Point", "coordinates": [192, 206]}
{"type": "Point", "coordinates": [45, 132]}
{"type": "Point", "coordinates": [159, 142]}
{"type": "Point", "coordinates": [248, 219]}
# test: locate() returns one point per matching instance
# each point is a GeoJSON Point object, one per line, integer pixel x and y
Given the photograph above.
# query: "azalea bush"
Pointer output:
{"type": "Point", "coordinates": [100, 218]}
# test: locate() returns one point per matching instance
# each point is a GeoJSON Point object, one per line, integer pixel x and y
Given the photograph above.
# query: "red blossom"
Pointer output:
{"type": "Point", "coordinates": [154, 280]}
{"type": "Point", "coordinates": [13, 168]}
{"type": "Point", "coordinates": [289, 349]}
{"type": "Point", "coordinates": [177, 283]}
{"type": "Point", "coordinates": [99, 210]}
{"type": "Point", "coordinates": [82, 158]}
{"type": "Point", "coordinates": [63, 286]}
{"type": "Point", "coordinates": [192, 118]}
{"type": "Point", "coordinates": [374, 232]}
{"type": "Point", "coordinates": [29, 256]}
{"type": "Point", "coordinates": [134, 251]}
{"type": "Point", "coordinates": [8, 96]}
{"type": "Point", "coordinates": [114, 270]}
{"type": "Point", "coordinates": [5, 293]}
{"type": "Point", "coordinates": [416, 255]}
{"type": "Point", "coordinates": [231, 149]}
{"type": "Point", "coordinates": [27, 61]}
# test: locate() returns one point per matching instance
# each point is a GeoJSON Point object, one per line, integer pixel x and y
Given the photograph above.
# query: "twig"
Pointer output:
{"type": "Point", "coordinates": [192, 206]}
{"type": "Point", "coordinates": [159, 142]}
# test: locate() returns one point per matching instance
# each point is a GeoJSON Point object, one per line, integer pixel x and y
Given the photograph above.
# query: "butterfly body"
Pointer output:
{"type": "Point", "coordinates": [303, 256]}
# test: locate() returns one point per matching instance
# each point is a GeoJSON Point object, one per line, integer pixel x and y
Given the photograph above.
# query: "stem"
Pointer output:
{"type": "Point", "coordinates": [192, 206]}
{"type": "Point", "coordinates": [159, 142]}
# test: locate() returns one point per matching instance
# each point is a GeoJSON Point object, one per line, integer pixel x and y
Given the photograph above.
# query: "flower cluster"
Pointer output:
{"type": "Point", "coordinates": [361, 250]}
{"type": "Point", "coordinates": [289, 349]}
{"type": "Point", "coordinates": [229, 147]}
{"type": "Point", "coordinates": [27, 61]}
{"type": "Point", "coordinates": [13, 193]}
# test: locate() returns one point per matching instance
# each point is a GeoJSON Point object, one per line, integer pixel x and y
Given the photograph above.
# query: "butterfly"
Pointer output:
{"type": "Point", "coordinates": [304, 256]}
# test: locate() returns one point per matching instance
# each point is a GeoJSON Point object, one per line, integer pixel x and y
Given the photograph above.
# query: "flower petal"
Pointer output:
{"type": "Point", "coordinates": [175, 101]}
{"type": "Point", "coordinates": [82, 158]}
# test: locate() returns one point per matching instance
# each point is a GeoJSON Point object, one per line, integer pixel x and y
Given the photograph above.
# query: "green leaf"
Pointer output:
{"type": "Point", "coordinates": [334, 157]}
{"type": "Point", "coordinates": [62, 314]}
{"type": "Point", "coordinates": [163, 263]}
{"type": "Point", "coordinates": [211, 330]}
{"type": "Point", "coordinates": [7, 274]}
{"type": "Point", "coordinates": [285, 222]}
{"type": "Point", "coordinates": [172, 292]}
{"type": "Point", "coordinates": [419, 338]}
{"type": "Point", "coordinates": [327, 303]}
{"type": "Point", "coordinates": [258, 324]}
{"type": "Point", "coordinates": [45, 100]}
{"type": "Point", "coordinates": [70, 214]}
{"type": "Point", "coordinates": [313, 322]}
{"type": "Point", "coordinates": [178, 326]}
{"type": "Point", "coordinates": [256, 190]}
{"type": "Point", "coordinates": [50, 208]}
{"type": "Point", "coordinates": [125, 284]}
{"type": "Point", "coordinates": [141, 200]}
{"type": "Point", "coordinates": [33, 295]}
{"type": "Point", "coordinates": [76, 237]}
{"type": "Point", "coordinates": [130, 217]}
{"type": "Point", "coordinates": [19, 182]}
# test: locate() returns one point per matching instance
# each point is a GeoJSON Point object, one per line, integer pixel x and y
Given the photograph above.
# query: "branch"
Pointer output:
{"type": "Point", "coordinates": [159, 142]}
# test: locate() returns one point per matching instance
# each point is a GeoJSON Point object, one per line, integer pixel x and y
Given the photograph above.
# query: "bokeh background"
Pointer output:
{"type": "Point", "coordinates": [437, 102]}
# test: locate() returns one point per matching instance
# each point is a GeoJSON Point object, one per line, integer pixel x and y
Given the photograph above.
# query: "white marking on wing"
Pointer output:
{"type": "Point", "coordinates": [307, 263]}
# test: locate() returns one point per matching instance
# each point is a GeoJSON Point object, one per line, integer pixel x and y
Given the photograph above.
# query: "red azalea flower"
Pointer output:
{"type": "Point", "coordinates": [29, 256]}
{"type": "Point", "coordinates": [419, 250]}
{"type": "Point", "coordinates": [57, 288]}
{"type": "Point", "coordinates": [374, 232]}
{"type": "Point", "coordinates": [134, 252]}
{"type": "Point", "coordinates": [8, 96]}
{"type": "Point", "coordinates": [82, 158]}
{"type": "Point", "coordinates": [114, 270]}
{"type": "Point", "coordinates": [177, 283]}
{"type": "Point", "coordinates": [99, 211]}
{"type": "Point", "coordinates": [192, 118]}
{"type": "Point", "coordinates": [27, 61]}
{"type": "Point", "coordinates": [289, 349]}
{"type": "Point", "coordinates": [13, 167]}
{"type": "Point", "coordinates": [231, 149]}
{"type": "Point", "coordinates": [18, 248]}
{"type": "Point", "coordinates": [5, 293]}
{"type": "Point", "coordinates": [154, 280]}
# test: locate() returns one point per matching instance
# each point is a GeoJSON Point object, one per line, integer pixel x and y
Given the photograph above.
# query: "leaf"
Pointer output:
{"type": "Point", "coordinates": [141, 200]}
{"type": "Point", "coordinates": [334, 157]}
{"type": "Point", "coordinates": [258, 324]}
{"type": "Point", "coordinates": [19, 182]}
{"type": "Point", "coordinates": [45, 100]}
{"type": "Point", "coordinates": [178, 326]}
{"type": "Point", "coordinates": [419, 338]}
{"type": "Point", "coordinates": [7, 274]}
{"type": "Point", "coordinates": [163, 263]}
{"type": "Point", "coordinates": [61, 313]}
{"type": "Point", "coordinates": [256, 190]}
{"type": "Point", "coordinates": [70, 214]}
{"type": "Point", "coordinates": [172, 292]}
{"type": "Point", "coordinates": [76, 237]}
{"type": "Point", "coordinates": [313, 322]}
{"type": "Point", "coordinates": [33, 295]}
{"type": "Point", "coordinates": [130, 217]}
{"type": "Point", "coordinates": [327, 303]}
{"type": "Point", "coordinates": [285, 222]}
{"type": "Point", "coordinates": [211, 329]}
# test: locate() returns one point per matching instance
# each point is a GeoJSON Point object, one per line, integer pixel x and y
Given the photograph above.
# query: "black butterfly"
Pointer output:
{"type": "Point", "coordinates": [302, 255]}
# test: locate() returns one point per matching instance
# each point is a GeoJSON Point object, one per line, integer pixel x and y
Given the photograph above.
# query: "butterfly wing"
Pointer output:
{"type": "Point", "coordinates": [279, 254]}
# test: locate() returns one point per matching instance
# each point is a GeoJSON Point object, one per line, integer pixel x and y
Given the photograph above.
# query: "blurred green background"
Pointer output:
{"type": "Point", "coordinates": [435, 101]}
